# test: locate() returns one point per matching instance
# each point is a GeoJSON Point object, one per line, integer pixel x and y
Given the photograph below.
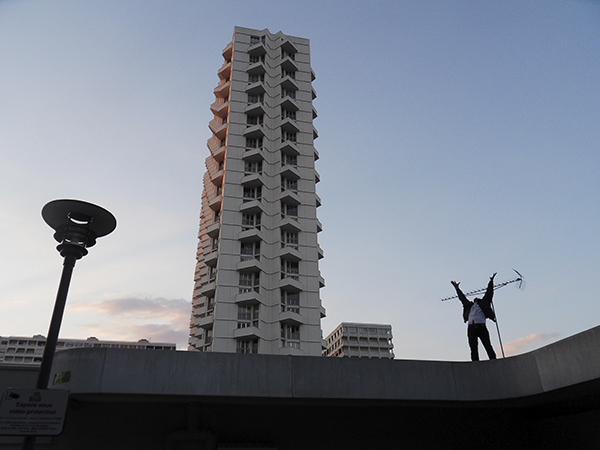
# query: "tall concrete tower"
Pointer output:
{"type": "Point", "coordinates": [257, 278]}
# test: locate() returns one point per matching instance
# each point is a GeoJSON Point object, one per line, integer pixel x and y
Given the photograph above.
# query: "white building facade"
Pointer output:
{"type": "Point", "coordinates": [29, 350]}
{"type": "Point", "coordinates": [360, 340]}
{"type": "Point", "coordinates": [257, 276]}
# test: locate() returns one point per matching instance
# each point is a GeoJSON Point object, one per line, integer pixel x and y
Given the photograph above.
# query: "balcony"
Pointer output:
{"type": "Point", "coordinates": [225, 71]}
{"type": "Point", "coordinates": [228, 51]}
{"type": "Point", "coordinates": [317, 177]}
{"type": "Point", "coordinates": [314, 113]}
{"type": "Point", "coordinates": [218, 127]}
{"type": "Point", "coordinates": [251, 207]}
{"type": "Point", "coordinates": [315, 154]}
{"type": "Point", "coordinates": [217, 150]}
{"type": "Point", "coordinates": [213, 229]}
{"type": "Point", "coordinates": [222, 90]}
{"type": "Point", "coordinates": [290, 224]}
{"type": "Point", "coordinates": [289, 171]}
{"type": "Point", "coordinates": [317, 200]}
{"type": "Point", "coordinates": [289, 103]}
{"type": "Point", "coordinates": [289, 83]}
{"type": "Point", "coordinates": [289, 148]}
{"type": "Point", "coordinates": [288, 46]}
{"type": "Point", "coordinates": [208, 289]}
{"type": "Point", "coordinates": [321, 281]}
{"type": "Point", "coordinates": [217, 178]}
{"type": "Point", "coordinates": [254, 109]}
{"type": "Point", "coordinates": [206, 322]}
{"type": "Point", "coordinates": [288, 63]}
{"type": "Point", "coordinates": [257, 49]}
{"type": "Point", "coordinates": [290, 254]}
{"type": "Point", "coordinates": [289, 284]}
{"type": "Point", "coordinates": [313, 93]}
{"type": "Point", "coordinates": [323, 312]}
{"type": "Point", "coordinates": [220, 108]}
{"type": "Point", "coordinates": [210, 259]}
{"type": "Point", "coordinates": [252, 180]}
{"type": "Point", "coordinates": [290, 197]}
{"type": "Point", "coordinates": [254, 131]}
{"type": "Point", "coordinates": [256, 68]}
{"type": "Point", "coordinates": [253, 154]}
{"type": "Point", "coordinates": [215, 203]}
{"type": "Point", "coordinates": [291, 318]}
{"type": "Point", "coordinates": [250, 265]}
{"type": "Point", "coordinates": [248, 332]}
{"type": "Point", "coordinates": [319, 226]}
{"type": "Point", "coordinates": [290, 125]}
{"type": "Point", "coordinates": [256, 88]}
{"type": "Point", "coordinates": [315, 132]}
{"type": "Point", "coordinates": [251, 235]}
{"type": "Point", "coordinates": [320, 252]}
{"type": "Point", "coordinates": [247, 298]}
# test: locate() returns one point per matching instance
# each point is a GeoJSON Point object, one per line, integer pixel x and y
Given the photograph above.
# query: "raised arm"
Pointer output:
{"type": "Point", "coordinates": [489, 293]}
{"type": "Point", "coordinates": [460, 294]}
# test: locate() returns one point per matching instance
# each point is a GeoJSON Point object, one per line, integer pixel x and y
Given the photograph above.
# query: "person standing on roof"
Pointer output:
{"type": "Point", "coordinates": [474, 313]}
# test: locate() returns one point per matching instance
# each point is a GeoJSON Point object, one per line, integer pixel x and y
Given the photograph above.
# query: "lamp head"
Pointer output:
{"type": "Point", "coordinates": [77, 224]}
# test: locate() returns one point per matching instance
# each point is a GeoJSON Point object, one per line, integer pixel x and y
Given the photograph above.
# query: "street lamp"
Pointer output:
{"type": "Point", "coordinates": [77, 225]}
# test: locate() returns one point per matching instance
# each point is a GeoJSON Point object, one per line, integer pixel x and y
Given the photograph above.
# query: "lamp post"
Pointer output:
{"type": "Point", "coordinates": [77, 225]}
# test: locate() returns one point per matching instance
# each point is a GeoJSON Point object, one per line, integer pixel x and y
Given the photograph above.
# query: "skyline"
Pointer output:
{"type": "Point", "coordinates": [456, 140]}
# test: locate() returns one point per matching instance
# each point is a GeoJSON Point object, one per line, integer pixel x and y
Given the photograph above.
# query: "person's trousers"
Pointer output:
{"type": "Point", "coordinates": [479, 331]}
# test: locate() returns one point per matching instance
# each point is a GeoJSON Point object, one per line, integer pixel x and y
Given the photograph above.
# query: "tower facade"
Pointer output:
{"type": "Point", "coordinates": [257, 276]}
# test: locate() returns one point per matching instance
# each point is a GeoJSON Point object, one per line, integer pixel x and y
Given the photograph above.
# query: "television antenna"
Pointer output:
{"type": "Point", "coordinates": [521, 286]}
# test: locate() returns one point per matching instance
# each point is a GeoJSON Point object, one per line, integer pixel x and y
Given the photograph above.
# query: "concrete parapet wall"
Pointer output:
{"type": "Point", "coordinates": [565, 363]}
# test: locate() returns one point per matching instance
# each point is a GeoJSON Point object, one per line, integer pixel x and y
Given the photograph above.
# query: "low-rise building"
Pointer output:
{"type": "Point", "coordinates": [360, 340]}
{"type": "Point", "coordinates": [29, 350]}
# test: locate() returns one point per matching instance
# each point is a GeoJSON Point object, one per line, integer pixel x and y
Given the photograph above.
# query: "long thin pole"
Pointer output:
{"type": "Point", "coordinates": [498, 329]}
{"type": "Point", "coordinates": [51, 340]}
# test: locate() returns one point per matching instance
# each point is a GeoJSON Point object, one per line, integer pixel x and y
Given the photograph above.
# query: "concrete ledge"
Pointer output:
{"type": "Point", "coordinates": [565, 363]}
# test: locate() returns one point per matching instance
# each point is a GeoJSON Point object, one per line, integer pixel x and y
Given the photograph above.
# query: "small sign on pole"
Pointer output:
{"type": "Point", "coordinates": [33, 412]}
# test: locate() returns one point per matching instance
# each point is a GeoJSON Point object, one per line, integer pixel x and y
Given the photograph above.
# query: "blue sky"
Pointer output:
{"type": "Point", "coordinates": [457, 139]}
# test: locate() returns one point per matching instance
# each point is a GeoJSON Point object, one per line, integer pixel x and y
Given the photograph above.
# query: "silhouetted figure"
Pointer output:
{"type": "Point", "coordinates": [475, 312]}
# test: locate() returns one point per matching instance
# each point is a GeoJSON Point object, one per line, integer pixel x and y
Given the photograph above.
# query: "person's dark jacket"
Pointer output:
{"type": "Point", "coordinates": [485, 303]}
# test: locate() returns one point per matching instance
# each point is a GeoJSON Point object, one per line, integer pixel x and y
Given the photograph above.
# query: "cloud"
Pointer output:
{"type": "Point", "coordinates": [132, 318]}
{"type": "Point", "coordinates": [514, 347]}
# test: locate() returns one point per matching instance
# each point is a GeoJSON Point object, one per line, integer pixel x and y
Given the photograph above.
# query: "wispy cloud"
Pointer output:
{"type": "Point", "coordinates": [525, 343]}
{"type": "Point", "coordinates": [133, 318]}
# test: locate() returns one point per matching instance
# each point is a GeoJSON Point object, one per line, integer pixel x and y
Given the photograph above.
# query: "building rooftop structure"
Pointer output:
{"type": "Point", "coordinates": [545, 399]}
{"type": "Point", "coordinates": [29, 350]}
{"type": "Point", "coordinates": [360, 340]}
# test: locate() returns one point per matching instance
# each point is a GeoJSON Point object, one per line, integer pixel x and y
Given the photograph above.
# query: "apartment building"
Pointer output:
{"type": "Point", "coordinates": [257, 278]}
{"type": "Point", "coordinates": [360, 340]}
{"type": "Point", "coordinates": [29, 350]}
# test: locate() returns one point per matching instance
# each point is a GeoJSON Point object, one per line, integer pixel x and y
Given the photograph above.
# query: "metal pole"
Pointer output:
{"type": "Point", "coordinates": [498, 329]}
{"type": "Point", "coordinates": [52, 338]}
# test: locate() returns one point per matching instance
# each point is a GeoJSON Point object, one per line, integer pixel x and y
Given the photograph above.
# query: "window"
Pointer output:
{"type": "Point", "coordinates": [288, 93]}
{"type": "Point", "coordinates": [290, 301]}
{"type": "Point", "coordinates": [247, 346]}
{"type": "Point", "coordinates": [288, 73]}
{"type": "Point", "coordinates": [249, 282]}
{"type": "Point", "coordinates": [210, 305]}
{"type": "Point", "coordinates": [289, 239]}
{"type": "Point", "coordinates": [255, 77]}
{"type": "Point", "coordinates": [288, 210]}
{"type": "Point", "coordinates": [287, 114]}
{"type": "Point", "coordinates": [217, 216]}
{"type": "Point", "coordinates": [247, 316]}
{"type": "Point", "coordinates": [211, 276]}
{"type": "Point", "coordinates": [255, 98]}
{"type": "Point", "coordinates": [291, 160]}
{"type": "Point", "coordinates": [288, 136]}
{"type": "Point", "coordinates": [288, 183]}
{"type": "Point", "coordinates": [252, 193]}
{"type": "Point", "coordinates": [254, 40]}
{"type": "Point", "coordinates": [254, 142]}
{"type": "Point", "coordinates": [254, 120]}
{"type": "Point", "coordinates": [251, 167]}
{"type": "Point", "coordinates": [285, 54]}
{"type": "Point", "coordinates": [208, 337]}
{"type": "Point", "coordinates": [222, 142]}
{"type": "Point", "coordinates": [290, 336]}
{"type": "Point", "coordinates": [257, 58]}
{"type": "Point", "coordinates": [250, 250]}
{"type": "Point", "coordinates": [289, 269]}
{"type": "Point", "coordinates": [250, 221]}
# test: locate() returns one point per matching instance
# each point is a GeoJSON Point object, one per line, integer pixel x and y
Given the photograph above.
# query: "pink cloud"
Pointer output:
{"type": "Point", "coordinates": [523, 344]}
